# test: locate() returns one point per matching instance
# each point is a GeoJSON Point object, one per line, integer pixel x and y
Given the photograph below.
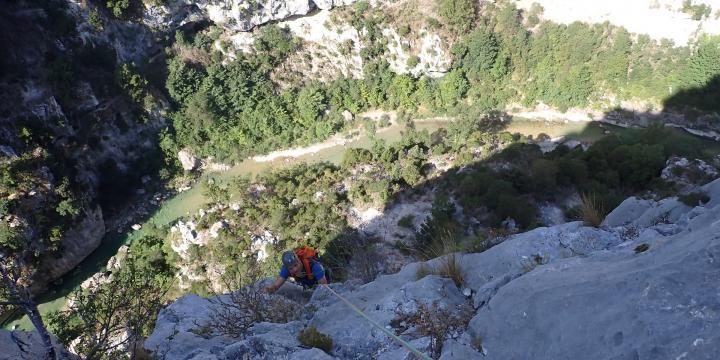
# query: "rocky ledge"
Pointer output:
{"type": "Point", "coordinates": [642, 286]}
{"type": "Point", "coordinates": [238, 15]}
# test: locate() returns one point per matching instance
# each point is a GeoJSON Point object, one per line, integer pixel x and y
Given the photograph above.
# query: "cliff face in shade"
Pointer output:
{"type": "Point", "coordinates": [78, 243]}
{"type": "Point", "coordinates": [65, 115]}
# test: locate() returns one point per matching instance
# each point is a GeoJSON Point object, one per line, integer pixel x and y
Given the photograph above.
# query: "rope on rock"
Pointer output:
{"type": "Point", "coordinates": [389, 333]}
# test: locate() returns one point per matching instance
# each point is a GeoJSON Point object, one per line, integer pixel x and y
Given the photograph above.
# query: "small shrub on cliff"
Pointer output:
{"type": "Point", "coordinates": [591, 210]}
{"type": "Point", "coordinates": [313, 338]}
{"type": "Point", "coordinates": [451, 267]}
{"type": "Point", "coordinates": [131, 82]}
{"type": "Point", "coordinates": [694, 199]}
{"type": "Point", "coordinates": [407, 222]}
{"type": "Point", "coordinates": [115, 312]}
{"type": "Point", "coordinates": [413, 61]}
{"type": "Point", "coordinates": [247, 303]}
{"type": "Point", "coordinates": [438, 230]}
{"type": "Point", "coordinates": [435, 321]}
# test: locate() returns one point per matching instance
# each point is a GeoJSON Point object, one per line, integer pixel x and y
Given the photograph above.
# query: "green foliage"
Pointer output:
{"type": "Point", "coordinates": [694, 199]}
{"type": "Point", "coordinates": [121, 8]}
{"type": "Point", "coordinates": [437, 227]}
{"type": "Point", "coordinates": [95, 20]}
{"type": "Point", "coordinates": [452, 88]}
{"type": "Point", "coordinates": [9, 237]}
{"type": "Point", "coordinates": [67, 207]}
{"type": "Point", "coordinates": [459, 14]}
{"type": "Point", "coordinates": [214, 191]}
{"type": "Point", "coordinates": [413, 61]}
{"type": "Point", "coordinates": [273, 45]}
{"type": "Point", "coordinates": [700, 79]}
{"type": "Point", "coordinates": [311, 337]}
{"type": "Point", "coordinates": [696, 11]}
{"type": "Point", "coordinates": [407, 222]}
{"type": "Point", "coordinates": [356, 156]}
{"type": "Point", "coordinates": [477, 54]}
{"type": "Point", "coordinates": [183, 79]}
{"type": "Point", "coordinates": [127, 303]}
{"type": "Point", "coordinates": [134, 85]}
{"type": "Point", "coordinates": [310, 104]}
{"type": "Point", "coordinates": [400, 92]}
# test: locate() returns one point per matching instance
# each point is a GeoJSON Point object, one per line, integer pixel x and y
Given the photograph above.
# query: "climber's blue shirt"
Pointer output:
{"type": "Point", "coordinates": [317, 270]}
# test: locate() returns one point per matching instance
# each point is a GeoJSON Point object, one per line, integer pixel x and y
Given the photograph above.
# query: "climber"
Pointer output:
{"type": "Point", "coordinates": [303, 265]}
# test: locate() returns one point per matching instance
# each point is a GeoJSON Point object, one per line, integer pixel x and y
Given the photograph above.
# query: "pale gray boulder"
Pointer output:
{"type": "Point", "coordinates": [422, 344]}
{"type": "Point", "coordinates": [382, 300]}
{"type": "Point", "coordinates": [175, 335]}
{"type": "Point", "coordinates": [495, 267]}
{"type": "Point", "coordinates": [629, 210]}
{"type": "Point", "coordinates": [266, 341]}
{"type": "Point", "coordinates": [188, 160]}
{"type": "Point", "coordinates": [611, 304]}
{"type": "Point", "coordinates": [20, 345]}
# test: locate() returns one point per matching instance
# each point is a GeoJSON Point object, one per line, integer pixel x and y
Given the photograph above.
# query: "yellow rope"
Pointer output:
{"type": "Point", "coordinates": [386, 331]}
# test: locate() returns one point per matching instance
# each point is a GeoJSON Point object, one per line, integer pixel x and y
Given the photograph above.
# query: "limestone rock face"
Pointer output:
{"type": "Point", "coordinates": [238, 15]}
{"type": "Point", "coordinates": [686, 173]}
{"type": "Point", "coordinates": [77, 244]}
{"type": "Point", "coordinates": [563, 292]}
{"type": "Point", "coordinates": [613, 304]}
{"type": "Point", "coordinates": [188, 160]}
{"type": "Point", "coordinates": [16, 345]}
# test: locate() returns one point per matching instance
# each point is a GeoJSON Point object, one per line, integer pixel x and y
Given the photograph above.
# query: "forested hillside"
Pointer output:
{"type": "Point", "coordinates": [500, 57]}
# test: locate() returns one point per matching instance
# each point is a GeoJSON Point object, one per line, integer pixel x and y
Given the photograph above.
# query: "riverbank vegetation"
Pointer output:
{"type": "Point", "coordinates": [234, 110]}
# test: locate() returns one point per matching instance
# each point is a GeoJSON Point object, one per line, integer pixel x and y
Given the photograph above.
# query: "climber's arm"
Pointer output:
{"type": "Point", "coordinates": [279, 281]}
{"type": "Point", "coordinates": [276, 285]}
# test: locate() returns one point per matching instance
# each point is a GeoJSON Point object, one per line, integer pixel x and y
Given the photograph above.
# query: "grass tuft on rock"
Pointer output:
{"type": "Point", "coordinates": [592, 211]}
{"type": "Point", "coordinates": [311, 337]}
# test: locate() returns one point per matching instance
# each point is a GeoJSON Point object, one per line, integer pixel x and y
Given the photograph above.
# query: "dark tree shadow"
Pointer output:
{"type": "Point", "coordinates": [688, 125]}
{"type": "Point", "coordinates": [696, 110]}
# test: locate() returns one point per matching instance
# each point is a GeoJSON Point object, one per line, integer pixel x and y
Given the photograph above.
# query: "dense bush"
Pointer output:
{"type": "Point", "coordinates": [459, 14]}
{"type": "Point", "coordinates": [694, 199]}
{"type": "Point", "coordinates": [311, 337]}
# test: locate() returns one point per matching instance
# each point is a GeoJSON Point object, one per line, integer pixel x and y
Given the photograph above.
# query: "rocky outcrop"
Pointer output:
{"type": "Point", "coordinates": [235, 15]}
{"type": "Point", "coordinates": [685, 173]}
{"type": "Point", "coordinates": [90, 133]}
{"type": "Point", "coordinates": [17, 345]}
{"type": "Point", "coordinates": [188, 160]}
{"type": "Point", "coordinates": [628, 301]}
{"type": "Point", "coordinates": [77, 244]}
{"type": "Point", "coordinates": [567, 291]}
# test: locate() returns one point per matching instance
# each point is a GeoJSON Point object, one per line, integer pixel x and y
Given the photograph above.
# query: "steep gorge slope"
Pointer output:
{"type": "Point", "coordinates": [566, 291]}
{"type": "Point", "coordinates": [74, 146]}
{"type": "Point", "coordinates": [100, 142]}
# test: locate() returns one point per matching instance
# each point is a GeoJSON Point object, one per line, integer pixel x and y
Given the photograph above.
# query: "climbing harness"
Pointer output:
{"type": "Point", "coordinates": [373, 323]}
